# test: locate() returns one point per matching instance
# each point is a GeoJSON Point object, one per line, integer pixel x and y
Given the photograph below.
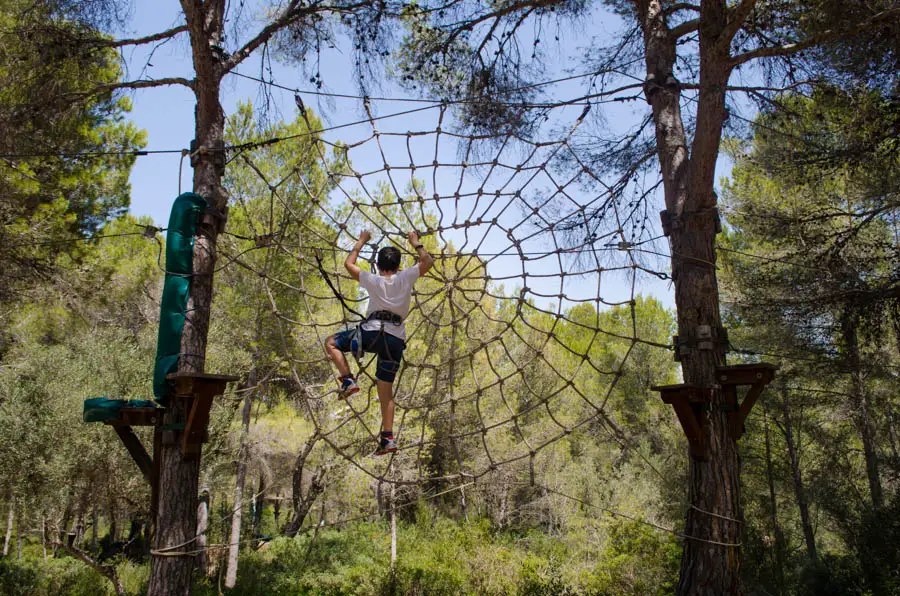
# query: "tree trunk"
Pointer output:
{"type": "Point", "coordinates": [95, 521]}
{"type": "Point", "coordinates": [176, 519]}
{"type": "Point", "coordinates": [799, 490]}
{"type": "Point", "coordinates": [237, 506]}
{"type": "Point", "coordinates": [113, 519]}
{"type": "Point", "coordinates": [19, 517]}
{"type": "Point", "coordinates": [773, 503]}
{"type": "Point", "coordinates": [303, 504]}
{"type": "Point", "coordinates": [711, 558]}
{"type": "Point", "coordinates": [393, 521]}
{"type": "Point", "coordinates": [259, 503]}
{"type": "Point", "coordinates": [862, 414]}
{"type": "Point", "coordinates": [276, 511]}
{"type": "Point", "coordinates": [79, 530]}
{"type": "Point", "coordinates": [892, 433]}
{"type": "Point", "coordinates": [9, 523]}
{"type": "Point", "coordinates": [202, 526]}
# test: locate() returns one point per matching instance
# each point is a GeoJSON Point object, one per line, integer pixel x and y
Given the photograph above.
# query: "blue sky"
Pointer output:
{"type": "Point", "coordinates": [166, 113]}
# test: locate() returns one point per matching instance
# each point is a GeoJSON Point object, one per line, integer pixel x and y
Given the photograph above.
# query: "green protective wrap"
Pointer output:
{"type": "Point", "coordinates": [101, 409]}
{"type": "Point", "coordinates": [179, 267]}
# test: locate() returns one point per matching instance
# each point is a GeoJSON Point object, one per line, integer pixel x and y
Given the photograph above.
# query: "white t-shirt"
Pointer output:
{"type": "Point", "coordinates": [391, 294]}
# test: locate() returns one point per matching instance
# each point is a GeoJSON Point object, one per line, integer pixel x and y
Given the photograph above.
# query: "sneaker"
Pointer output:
{"type": "Point", "coordinates": [348, 387]}
{"type": "Point", "coordinates": [386, 445]}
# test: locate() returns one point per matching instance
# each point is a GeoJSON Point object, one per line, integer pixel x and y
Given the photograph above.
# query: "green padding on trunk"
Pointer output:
{"type": "Point", "coordinates": [101, 409]}
{"type": "Point", "coordinates": [179, 266]}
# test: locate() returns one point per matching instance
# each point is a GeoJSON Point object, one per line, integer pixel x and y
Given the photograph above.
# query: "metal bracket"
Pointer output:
{"type": "Point", "coordinates": [701, 339]}
{"type": "Point", "coordinates": [670, 222]}
{"type": "Point", "coordinates": [217, 151]}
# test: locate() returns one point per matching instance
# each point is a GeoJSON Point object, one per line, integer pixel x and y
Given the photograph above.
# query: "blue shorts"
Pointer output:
{"type": "Point", "coordinates": [389, 350]}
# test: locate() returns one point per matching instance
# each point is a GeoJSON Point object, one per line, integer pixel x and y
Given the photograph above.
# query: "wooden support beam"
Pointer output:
{"type": "Point", "coordinates": [154, 476]}
{"type": "Point", "coordinates": [136, 450]}
{"type": "Point", "coordinates": [746, 374]}
{"type": "Point", "coordinates": [196, 392]}
{"type": "Point", "coordinates": [757, 376]}
{"type": "Point", "coordinates": [137, 417]}
{"type": "Point", "coordinates": [688, 402]}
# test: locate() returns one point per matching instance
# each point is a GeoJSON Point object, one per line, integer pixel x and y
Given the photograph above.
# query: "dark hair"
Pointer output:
{"type": "Point", "coordinates": [389, 258]}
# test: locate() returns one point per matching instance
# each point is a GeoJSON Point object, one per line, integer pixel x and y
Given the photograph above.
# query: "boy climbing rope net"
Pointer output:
{"type": "Point", "coordinates": [383, 332]}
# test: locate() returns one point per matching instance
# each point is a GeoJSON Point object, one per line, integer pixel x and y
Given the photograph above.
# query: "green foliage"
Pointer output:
{"type": "Point", "coordinates": [51, 577]}
{"type": "Point", "coordinates": [448, 558]}
{"type": "Point", "coordinates": [47, 202]}
{"type": "Point", "coordinates": [834, 575]}
{"type": "Point", "coordinates": [637, 559]}
{"type": "Point", "coordinates": [809, 276]}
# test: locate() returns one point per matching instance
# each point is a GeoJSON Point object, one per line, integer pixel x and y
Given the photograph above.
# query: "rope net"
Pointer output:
{"type": "Point", "coordinates": [517, 337]}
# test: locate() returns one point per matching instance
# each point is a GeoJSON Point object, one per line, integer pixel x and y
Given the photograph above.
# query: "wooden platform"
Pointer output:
{"type": "Point", "coordinates": [757, 376]}
{"type": "Point", "coordinates": [690, 401]}
{"type": "Point", "coordinates": [195, 392]}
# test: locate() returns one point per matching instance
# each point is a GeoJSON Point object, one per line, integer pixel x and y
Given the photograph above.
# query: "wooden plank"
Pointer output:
{"type": "Point", "coordinates": [746, 374]}
{"type": "Point", "coordinates": [136, 450]}
{"type": "Point", "coordinates": [137, 417]}
{"type": "Point", "coordinates": [154, 477]}
{"type": "Point", "coordinates": [670, 393]}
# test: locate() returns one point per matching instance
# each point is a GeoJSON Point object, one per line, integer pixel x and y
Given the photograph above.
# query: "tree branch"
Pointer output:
{"type": "Point", "coordinates": [138, 84]}
{"type": "Point", "coordinates": [681, 6]}
{"type": "Point", "coordinates": [736, 18]}
{"type": "Point", "coordinates": [118, 43]}
{"type": "Point", "coordinates": [107, 571]}
{"type": "Point", "coordinates": [290, 15]}
{"type": "Point", "coordinates": [793, 48]}
{"type": "Point", "coordinates": [685, 28]}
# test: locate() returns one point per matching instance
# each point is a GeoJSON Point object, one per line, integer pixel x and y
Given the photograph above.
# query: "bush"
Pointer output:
{"type": "Point", "coordinates": [832, 576]}
{"type": "Point", "coordinates": [64, 575]}
{"type": "Point", "coordinates": [637, 559]}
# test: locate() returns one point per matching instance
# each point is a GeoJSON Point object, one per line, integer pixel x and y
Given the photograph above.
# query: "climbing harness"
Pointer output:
{"type": "Point", "coordinates": [357, 347]}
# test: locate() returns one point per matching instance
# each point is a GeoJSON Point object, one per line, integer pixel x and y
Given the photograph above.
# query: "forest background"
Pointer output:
{"type": "Point", "coordinates": [808, 269]}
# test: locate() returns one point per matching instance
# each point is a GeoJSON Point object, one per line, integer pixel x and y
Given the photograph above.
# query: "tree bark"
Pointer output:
{"type": "Point", "coordinates": [44, 535]}
{"type": "Point", "coordinates": [176, 521]}
{"type": "Point", "coordinates": [393, 521]}
{"type": "Point", "coordinates": [202, 526]}
{"type": "Point", "coordinates": [276, 511]}
{"type": "Point", "coordinates": [9, 523]}
{"type": "Point", "coordinates": [95, 521]}
{"type": "Point", "coordinates": [113, 522]}
{"type": "Point", "coordinates": [19, 517]}
{"type": "Point", "coordinates": [799, 489]}
{"type": "Point", "coordinates": [773, 504]}
{"type": "Point", "coordinates": [237, 506]}
{"type": "Point", "coordinates": [711, 559]}
{"type": "Point", "coordinates": [862, 414]}
{"type": "Point", "coordinates": [259, 503]}
{"type": "Point", "coordinates": [303, 504]}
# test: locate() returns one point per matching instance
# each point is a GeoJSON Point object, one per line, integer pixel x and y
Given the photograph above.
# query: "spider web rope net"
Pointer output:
{"type": "Point", "coordinates": [532, 246]}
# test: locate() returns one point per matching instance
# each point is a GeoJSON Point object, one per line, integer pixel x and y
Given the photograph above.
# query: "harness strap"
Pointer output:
{"type": "Point", "coordinates": [385, 316]}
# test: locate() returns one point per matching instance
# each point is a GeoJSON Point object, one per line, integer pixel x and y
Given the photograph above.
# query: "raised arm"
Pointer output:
{"type": "Point", "coordinates": [350, 262]}
{"type": "Point", "coordinates": [425, 259]}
